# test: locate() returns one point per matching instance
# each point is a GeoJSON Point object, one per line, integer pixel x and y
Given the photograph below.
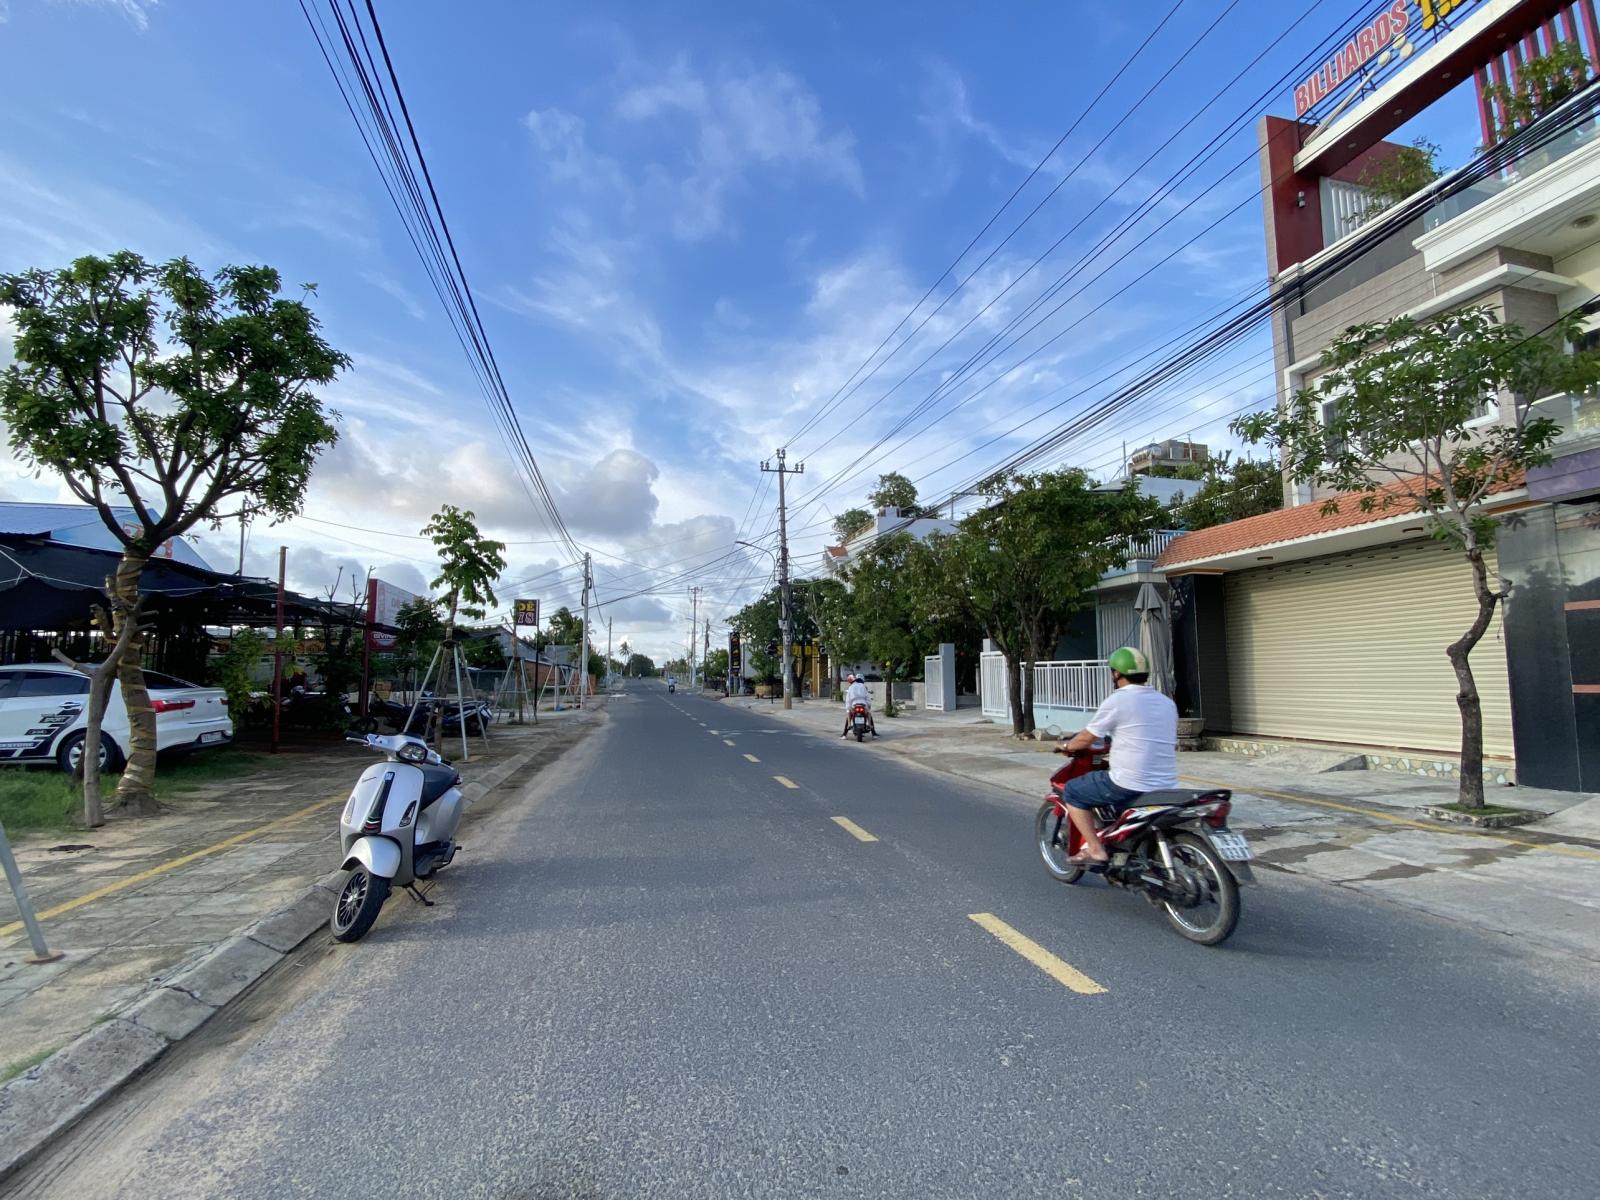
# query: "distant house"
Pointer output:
{"type": "Point", "coordinates": [836, 559]}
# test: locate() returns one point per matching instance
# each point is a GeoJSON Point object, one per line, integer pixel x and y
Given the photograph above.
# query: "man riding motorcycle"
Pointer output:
{"type": "Point", "coordinates": [1143, 727]}
{"type": "Point", "coordinates": [858, 693]}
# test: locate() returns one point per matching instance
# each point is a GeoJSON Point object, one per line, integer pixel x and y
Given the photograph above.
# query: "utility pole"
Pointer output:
{"type": "Point", "coordinates": [694, 625]}
{"type": "Point", "coordinates": [583, 643]}
{"type": "Point", "coordinates": [785, 621]}
{"type": "Point", "coordinates": [608, 654]}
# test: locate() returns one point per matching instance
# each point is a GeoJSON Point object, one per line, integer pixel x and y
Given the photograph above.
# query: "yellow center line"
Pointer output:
{"type": "Point", "coordinates": [727, 741]}
{"type": "Point", "coordinates": [173, 864]}
{"type": "Point", "coordinates": [752, 758]}
{"type": "Point", "coordinates": [786, 781]}
{"type": "Point", "coordinates": [854, 830]}
{"type": "Point", "coordinates": [1062, 972]}
{"type": "Point", "coordinates": [1430, 826]}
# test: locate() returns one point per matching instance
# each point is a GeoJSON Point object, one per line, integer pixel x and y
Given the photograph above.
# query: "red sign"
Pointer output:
{"type": "Point", "coordinates": [1377, 37]}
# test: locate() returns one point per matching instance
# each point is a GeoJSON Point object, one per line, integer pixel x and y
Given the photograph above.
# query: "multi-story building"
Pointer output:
{"type": "Point", "coordinates": [1171, 454]}
{"type": "Point", "coordinates": [1332, 627]}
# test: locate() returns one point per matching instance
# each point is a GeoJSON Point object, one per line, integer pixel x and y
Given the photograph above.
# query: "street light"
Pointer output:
{"type": "Point", "coordinates": [763, 549]}
{"type": "Point", "coordinates": [783, 625]}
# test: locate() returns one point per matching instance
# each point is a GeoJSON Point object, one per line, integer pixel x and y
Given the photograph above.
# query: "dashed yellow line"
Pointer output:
{"type": "Point", "coordinates": [1063, 973]}
{"type": "Point", "coordinates": [786, 781]}
{"type": "Point", "coordinates": [854, 830]}
{"type": "Point", "coordinates": [182, 860]}
{"type": "Point", "coordinates": [751, 758]}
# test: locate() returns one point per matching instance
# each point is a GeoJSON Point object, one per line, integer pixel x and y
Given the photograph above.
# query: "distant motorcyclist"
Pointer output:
{"type": "Point", "coordinates": [1142, 724]}
{"type": "Point", "coordinates": [858, 693]}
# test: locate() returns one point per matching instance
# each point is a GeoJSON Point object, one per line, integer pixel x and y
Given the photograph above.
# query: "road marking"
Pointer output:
{"type": "Point", "coordinates": [854, 830]}
{"type": "Point", "coordinates": [786, 781]}
{"type": "Point", "coordinates": [1063, 973]}
{"type": "Point", "coordinates": [1431, 827]}
{"type": "Point", "coordinates": [752, 758]}
{"type": "Point", "coordinates": [727, 741]}
{"type": "Point", "coordinates": [174, 864]}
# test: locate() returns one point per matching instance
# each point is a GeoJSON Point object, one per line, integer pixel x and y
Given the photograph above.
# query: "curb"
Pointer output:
{"type": "Point", "coordinates": [49, 1098]}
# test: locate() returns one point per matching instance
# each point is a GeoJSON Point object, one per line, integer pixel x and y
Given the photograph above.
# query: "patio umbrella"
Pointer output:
{"type": "Point", "coordinates": [1155, 636]}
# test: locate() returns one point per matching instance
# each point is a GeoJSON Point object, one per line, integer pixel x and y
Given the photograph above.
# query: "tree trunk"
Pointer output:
{"type": "Point", "coordinates": [888, 688]}
{"type": "Point", "coordinates": [1014, 694]}
{"type": "Point", "coordinates": [1470, 792]}
{"type": "Point", "coordinates": [101, 678]}
{"type": "Point", "coordinates": [137, 790]}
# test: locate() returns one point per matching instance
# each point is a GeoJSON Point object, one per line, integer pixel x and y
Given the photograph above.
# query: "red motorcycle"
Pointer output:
{"type": "Point", "coordinates": [1173, 847]}
{"type": "Point", "coordinates": [859, 721]}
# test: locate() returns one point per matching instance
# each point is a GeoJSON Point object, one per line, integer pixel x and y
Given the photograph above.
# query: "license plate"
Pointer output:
{"type": "Point", "coordinates": [207, 738]}
{"type": "Point", "coordinates": [1232, 846]}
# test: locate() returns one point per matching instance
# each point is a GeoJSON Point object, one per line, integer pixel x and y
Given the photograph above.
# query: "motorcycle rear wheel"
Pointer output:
{"type": "Point", "coordinates": [1052, 834]}
{"type": "Point", "coordinates": [1214, 919]}
{"type": "Point", "coordinates": [357, 907]}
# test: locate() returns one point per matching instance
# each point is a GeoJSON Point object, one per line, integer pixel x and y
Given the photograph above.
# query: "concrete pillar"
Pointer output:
{"type": "Point", "coordinates": [947, 675]}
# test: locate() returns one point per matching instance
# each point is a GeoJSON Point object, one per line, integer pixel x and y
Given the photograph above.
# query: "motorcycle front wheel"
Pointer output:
{"type": "Point", "coordinates": [357, 907]}
{"type": "Point", "coordinates": [1052, 833]}
{"type": "Point", "coordinates": [1214, 913]}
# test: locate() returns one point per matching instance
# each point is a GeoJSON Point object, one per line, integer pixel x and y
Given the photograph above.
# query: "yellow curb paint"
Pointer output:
{"type": "Point", "coordinates": [752, 758]}
{"type": "Point", "coordinates": [854, 830]}
{"type": "Point", "coordinates": [174, 864]}
{"type": "Point", "coordinates": [727, 741]}
{"type": "Point", "coordinates": [1063, 973]}
{"type": "Point", "coordinates": [1431, 827]}
{"type": "Point", "coordinates": [786, 781]}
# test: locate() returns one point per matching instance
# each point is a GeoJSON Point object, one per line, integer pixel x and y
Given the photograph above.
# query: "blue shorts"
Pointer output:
{"type": "Point", "coordinates": [1095, 790]}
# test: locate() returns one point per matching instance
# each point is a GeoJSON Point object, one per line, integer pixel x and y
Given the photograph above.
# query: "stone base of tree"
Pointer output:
{"type": "Point", "coordinates": [1489, 817]}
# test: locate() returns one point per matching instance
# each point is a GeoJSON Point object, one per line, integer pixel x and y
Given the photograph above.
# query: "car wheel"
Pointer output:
{"type": "Point", "coordinates": [69, 755]}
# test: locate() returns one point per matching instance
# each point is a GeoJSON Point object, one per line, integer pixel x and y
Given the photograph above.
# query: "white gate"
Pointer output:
{"type": "Point", "coordinates": [1081, 684]}
{"type": "Point", "coordinates": [992, 692]}
{"type": "Point", "coordinates": [933, 682]}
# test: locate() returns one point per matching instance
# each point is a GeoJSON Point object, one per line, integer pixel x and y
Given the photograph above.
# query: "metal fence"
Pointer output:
{"type": "Point", "coordinates": [1081, 684]}
{"type": "Point", "coordinates": [933, 682]}
{"type": "Point", "coordinates": [992, 685]}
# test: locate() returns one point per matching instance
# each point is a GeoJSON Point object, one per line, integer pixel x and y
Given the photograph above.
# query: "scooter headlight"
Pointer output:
{"type": "Point", "coordinates": [412, 752]}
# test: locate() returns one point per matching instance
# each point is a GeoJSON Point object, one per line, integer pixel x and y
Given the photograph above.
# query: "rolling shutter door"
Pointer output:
{"type": "Point", "coordinates": [1350, 648]}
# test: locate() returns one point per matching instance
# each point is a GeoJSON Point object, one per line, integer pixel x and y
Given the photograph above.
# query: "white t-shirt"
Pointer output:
{"type": "Point", "coordinates": [858, 693]}
{"type": "Point", "coordinates": [1143, 727]}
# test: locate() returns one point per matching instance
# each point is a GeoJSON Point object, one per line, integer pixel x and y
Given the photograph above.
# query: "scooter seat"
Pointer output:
{"type": "Point", "coordinates": [1178, 797]}
{"type": "Point", "coordinates": [436, 781]}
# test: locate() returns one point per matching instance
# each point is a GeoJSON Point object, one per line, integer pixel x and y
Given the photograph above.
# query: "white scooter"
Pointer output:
{"type": "Point", "coordinates": [398, 826]}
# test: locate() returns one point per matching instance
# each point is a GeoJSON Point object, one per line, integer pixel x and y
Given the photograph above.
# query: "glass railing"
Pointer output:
{"type": "Point", "coordinates": [1529, 164]}
{"type": "Point", "coordinates": [1578, 416]}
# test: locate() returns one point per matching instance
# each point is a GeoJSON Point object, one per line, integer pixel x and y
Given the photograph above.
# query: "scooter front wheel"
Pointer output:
{"type": "Point", "coordinates": [357, 907]}
{"type": "Point", "coordinates": [1054, 834]}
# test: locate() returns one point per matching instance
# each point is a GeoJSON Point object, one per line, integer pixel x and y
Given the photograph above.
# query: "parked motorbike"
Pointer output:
{"type": "Point", "coordinates": [859, 720]}
{"type": "Point", "coordinates": [398, 826]}
{"type": "Point", "coordinates": [1173, 847]}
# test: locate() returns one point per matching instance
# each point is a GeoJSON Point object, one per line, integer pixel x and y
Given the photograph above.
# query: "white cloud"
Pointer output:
{"type": "Point", "coordinates": [948, 105]}
{"type": "Point", "coordinates": [136, 11]}
{"type": "Point", "coordinates": [397, 292]}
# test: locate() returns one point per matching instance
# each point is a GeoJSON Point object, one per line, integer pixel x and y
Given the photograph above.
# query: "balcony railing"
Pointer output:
{"type": "Point", "coordinates": [1529, 164]}
{"type": "Point", "coordinates": [1150, 546]}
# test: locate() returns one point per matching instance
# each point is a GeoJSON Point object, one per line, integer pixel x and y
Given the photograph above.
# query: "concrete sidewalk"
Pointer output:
{"type": "Point", "coordinates": [139, 900]}
{"type": "Point", "coordinates": [1361, 830]}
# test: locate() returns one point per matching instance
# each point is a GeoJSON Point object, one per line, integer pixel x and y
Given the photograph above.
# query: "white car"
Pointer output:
{"type": "Point", "coordinates": [43, 707]}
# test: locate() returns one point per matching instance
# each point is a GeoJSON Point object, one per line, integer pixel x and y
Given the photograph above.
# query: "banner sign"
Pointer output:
{"type": "Point", "coordinates": [1383, 41]}
{"type": "Point", "coordinates": [384, 602]}
{"type": "Point", "coordinates": [527, 612]}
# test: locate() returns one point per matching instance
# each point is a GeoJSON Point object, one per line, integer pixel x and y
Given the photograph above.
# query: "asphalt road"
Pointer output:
{"type": "Point", "coordinates": [667, 973]}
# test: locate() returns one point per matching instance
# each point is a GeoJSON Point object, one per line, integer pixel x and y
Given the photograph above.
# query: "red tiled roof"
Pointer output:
{"type": "Point", "coordinates": [836, 551]}
{"type": "Point", "coordinates": [1291, 524]}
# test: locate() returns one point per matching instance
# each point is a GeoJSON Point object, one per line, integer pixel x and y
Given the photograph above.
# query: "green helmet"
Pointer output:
{"type": "Point", "coordinates": [1128, 661]}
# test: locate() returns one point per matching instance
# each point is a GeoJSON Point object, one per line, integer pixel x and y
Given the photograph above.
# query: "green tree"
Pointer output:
{"type": "Point", "coordinates": [641, 666]}
{"type": "Point", "coordinates": [154, 387]}
{"type": "Point", "coordinates": [1539, 85]}
{"type": "Point", "coordinates": [1028, 560]}
{"type": "Point", "coordinates": [419, 630]}
{"type": "Point", "coordinates": [894, 490]}
{"type": "Point", "coordinates": [234, 671]}
{"type": "Point", "coordinates": [1397, 404]}
{"type": "Point", "coordinates": [1230, 490]}
{"type": "Point", "coordinates": [881, 618]}
{"type": "Point", "coordinates": [716, 666]}
{"type": "Point", "coordinates": [564, 629]}
{"type": "Point", "coordinates": [851, 522]}
{"type": "Point", "coordinates": [482, 649]}
{"type": "Point", "coordinates": [469, 563]}
{"type": "Point", "coordinates": [1398, 175]}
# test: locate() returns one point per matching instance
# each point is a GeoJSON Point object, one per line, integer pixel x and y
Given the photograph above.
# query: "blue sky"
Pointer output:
{"type": "Point", "coordinates": [686, 225]}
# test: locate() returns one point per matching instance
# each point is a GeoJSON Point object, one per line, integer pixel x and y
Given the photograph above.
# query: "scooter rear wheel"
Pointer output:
{"type": "Point", "coordinates": [357, 907]}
